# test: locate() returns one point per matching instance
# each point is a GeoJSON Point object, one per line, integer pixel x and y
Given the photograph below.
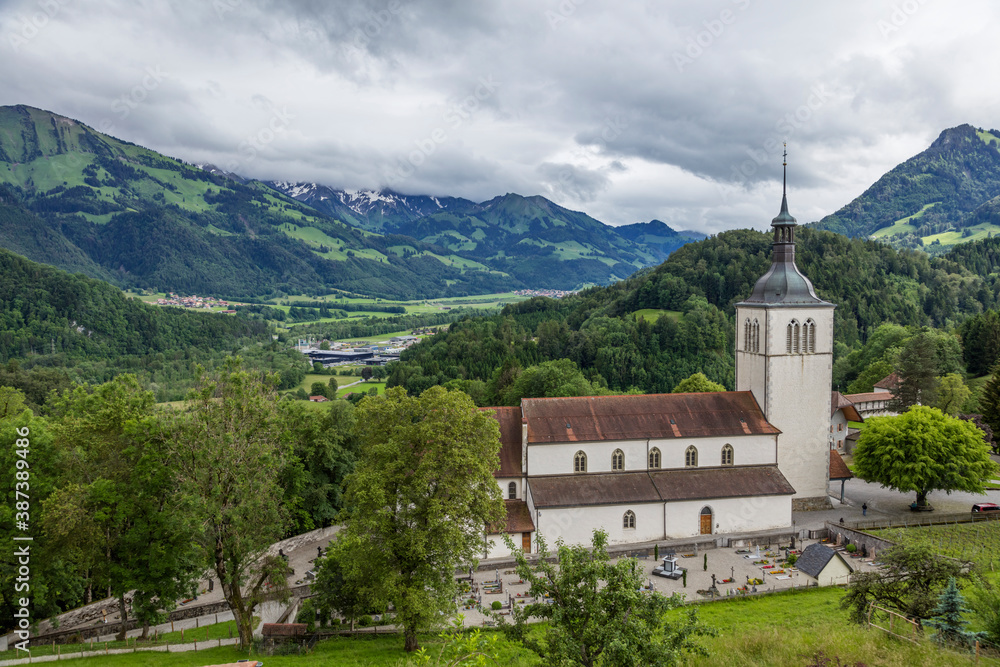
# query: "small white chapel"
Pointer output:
{"type": "Point", "coordinates": [668, 466]}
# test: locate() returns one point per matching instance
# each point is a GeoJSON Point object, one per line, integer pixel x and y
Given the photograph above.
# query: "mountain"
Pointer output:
{"type": "Point", "coordinates": [374, 210]}
{"type": "Point", "coordinates": [934, 199]}
{"type": "Point", "coordinates": [657, 236]}
{"type": "Point", "coordinates": [510, 233]}
{"type": "Point", "coordinates": [82, 200]}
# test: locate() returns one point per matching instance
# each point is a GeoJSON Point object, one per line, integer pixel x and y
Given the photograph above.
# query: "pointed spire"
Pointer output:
{"type": "Point", "coordinates": [784, 217]}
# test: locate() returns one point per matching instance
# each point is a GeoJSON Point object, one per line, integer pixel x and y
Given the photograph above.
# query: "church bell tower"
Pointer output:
{"type": "Point", "coordinates": [784, 355]}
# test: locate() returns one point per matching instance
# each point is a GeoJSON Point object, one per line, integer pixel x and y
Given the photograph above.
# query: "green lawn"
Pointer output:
{"type": "Point", "coordinates": [773, 631]}
{"type": "Point", "coordinates": [979, 541]}
{"type": "Point", "coordinates": [903, 226]}
{"type": "Point", "coordinates": [652, 314]}
{"type": "Point", "coordinates": [363, 387]}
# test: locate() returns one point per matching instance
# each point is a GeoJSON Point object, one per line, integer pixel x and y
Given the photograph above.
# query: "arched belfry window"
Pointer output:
{"type": "Point", "coordinates": [618, 460]}
{"type": "Point", "coordinates": [691, 457]}
{"type": "Point", "coordinates": [727, 455]}
{"type": "Point", "coordinates": [747, 336]}
{"type": "Point", "coordinates": [580, 462]}
{"type": "Point", "coordinates": [512, 491]}
{"type": "Point", "coordinates": [809, 337]}
{"type": "Point", "coordinates": [755, 335]}
{"type": "Point", "coordinates": [794, 338]}
{"type": "Point", "coordinates": [628, 521]}
{"type": "Point", "coordinates": [654, 458]}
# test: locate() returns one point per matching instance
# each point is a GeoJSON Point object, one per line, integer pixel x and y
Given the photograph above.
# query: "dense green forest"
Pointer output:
{"type": "Point", "coordinates": [692, 297]}
{"type": "Point", "coordinates": [56, 327]}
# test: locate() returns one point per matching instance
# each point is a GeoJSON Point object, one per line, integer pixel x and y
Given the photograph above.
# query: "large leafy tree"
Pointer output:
{"type": "Point", "coordinates": [923, 450]}
{"type": "Point", "coordinates": [419, 500]}
{"type": "Point", "coordinates": [231, 449]}
{"type": "Point", "coordinates": [598, 612]}
{"type": "Point", "coordinates": [119, 511]}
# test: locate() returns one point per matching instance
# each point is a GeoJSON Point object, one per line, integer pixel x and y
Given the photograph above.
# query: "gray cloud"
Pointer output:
{"type": "Point", "coordinates": [630, 111]}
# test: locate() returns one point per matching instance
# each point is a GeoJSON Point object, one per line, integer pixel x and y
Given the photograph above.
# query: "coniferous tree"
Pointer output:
{"type": "Point", "coordinates": [917, 371]}
{"type": "Point", "coordinates": [947, 620]}
{"type": "Point", "coordinates": [989, 401]}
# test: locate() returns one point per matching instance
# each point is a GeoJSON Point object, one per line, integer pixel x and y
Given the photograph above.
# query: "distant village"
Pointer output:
{"type": "Point", "coordinates": [195, 301]}
{"type": "Point", "coordinates": [551, 293]}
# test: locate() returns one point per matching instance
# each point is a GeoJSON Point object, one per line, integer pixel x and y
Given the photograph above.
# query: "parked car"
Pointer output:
{"type": "Point", "coordinates": [986, 507]}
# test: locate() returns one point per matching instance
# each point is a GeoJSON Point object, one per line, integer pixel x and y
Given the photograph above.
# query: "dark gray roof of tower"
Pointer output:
{"type": "Point", "coordinates": [784, 284]}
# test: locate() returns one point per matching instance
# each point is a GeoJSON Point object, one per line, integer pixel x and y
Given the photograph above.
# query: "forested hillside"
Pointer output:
{"type": "Point", "coordinates": [662, 325]}
{"type": "Point", "coordinates": [56, 328]}
{"type": "Point", "coordinates": [935, 199]}
{"type": "Point", "coordinates": [84, 201]}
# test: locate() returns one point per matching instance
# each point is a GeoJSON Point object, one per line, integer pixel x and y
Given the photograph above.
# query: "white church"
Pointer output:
{"type": "Point", "coordinates": [668, 466]}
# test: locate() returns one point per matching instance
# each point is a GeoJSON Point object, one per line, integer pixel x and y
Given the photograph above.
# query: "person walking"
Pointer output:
{"type": "Point", "coordinates": [864, 509]}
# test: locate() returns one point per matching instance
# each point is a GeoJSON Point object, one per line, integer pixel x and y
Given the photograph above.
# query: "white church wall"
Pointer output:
{"type": "Point", "coordinates": [729, 515]}
{"type": "Point", "coordinates": [576, 525]}
{"type": "Point", "coordinates": [497, 548]}
{"type": "Point", "coordinates": [557, 458]}
{"type": "Point", "coordinates": [747, 450]}
{"type": "Point", "coordinates": [504, 484]}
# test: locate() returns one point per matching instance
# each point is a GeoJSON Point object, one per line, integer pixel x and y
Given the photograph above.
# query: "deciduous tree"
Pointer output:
{"type": "Point", "coordinates": [908, 582]}
{"type": "Point", "coordinates": [923, 450]}
{"type": "Point", "coordinates": [419, 500]}
{"type": "Point", "coordinates": [697, 382]}
{"type": "Point", "coordinates": [597, 612]}
{"type": "Point", "coordinates": [230, 449]}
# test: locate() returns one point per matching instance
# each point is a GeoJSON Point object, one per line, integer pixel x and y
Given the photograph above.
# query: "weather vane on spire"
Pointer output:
{"type": "Point", "coordinates": [784, 167]}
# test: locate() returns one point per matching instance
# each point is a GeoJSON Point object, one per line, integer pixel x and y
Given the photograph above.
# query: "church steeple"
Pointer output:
{"type": "Point", "coordinates": [784, 284]}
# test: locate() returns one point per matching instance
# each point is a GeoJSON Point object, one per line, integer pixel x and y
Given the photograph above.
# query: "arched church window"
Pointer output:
{"type": "Point", "coordinates": [747, 336]}
{"type": "Point", "coordinates": [755, 335]}
{"type": "Point", "coordinates": [580, 462]}
{"type": "Point", "coordinates": [618, 460]}
{"type": "Point", "coordinates": [691, 457]}
{"type": "Point", "coordinates": [727, 455]}
{"type": "Point", "coordinates": [512, 491]}
{"type": "Point", "coordinates": [797, 339]}
{"type": "Point", "coordinates": [628, 521]}
{"type": "Point", "coordinates": [654, 458]}
{"type": "Point", "coordinates": [809, 333]}
{"type": "Point", "coordinates": [789, 334]}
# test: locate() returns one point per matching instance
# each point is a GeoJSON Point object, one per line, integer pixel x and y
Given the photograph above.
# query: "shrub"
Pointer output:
{"type": "Point", "coordinates": [851, 548]}
{"type": "Point", "coordinates": [335, 622]}
{"type": "Point", "coordinates": [365, 621]}
{"type": "Point", "coordinates": [496, 605]}
{"type": "Point", "coordinates": [791, 559]}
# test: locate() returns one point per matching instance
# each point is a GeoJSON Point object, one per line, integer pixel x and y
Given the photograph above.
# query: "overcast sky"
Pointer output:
{"type": "Point", "coordinates": [629, 111]}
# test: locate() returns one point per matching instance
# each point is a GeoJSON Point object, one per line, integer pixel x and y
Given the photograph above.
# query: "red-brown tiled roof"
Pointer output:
{"type": "Point", "coordinates": [729, 482]}
{"type": "Point", "coordinates": [868, 397]}
{"type": "Point", "coordinates": [518, 518]}
{"type": "Point", "coordinates": [593, 418]}
{"type": "Point", "coordinates": [840, 402]}
{"type": "Point", "coordinates": [839, 469]}
{"type": "Point", "coordinates": [664, 485]}
{"type": "Point", "coordinates": [890, 381]}
{"type": "Point", "coordinates": [510, 440]}
{"type": "Point", "coordinates": [599, 489]}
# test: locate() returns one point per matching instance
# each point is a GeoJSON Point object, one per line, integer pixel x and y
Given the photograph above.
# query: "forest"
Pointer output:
{"type": "Point", "coordinates": [661, 325]}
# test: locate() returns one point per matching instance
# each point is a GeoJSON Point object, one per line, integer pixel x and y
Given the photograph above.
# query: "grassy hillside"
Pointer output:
{"type": "Point", "coordinates": [88, 202]}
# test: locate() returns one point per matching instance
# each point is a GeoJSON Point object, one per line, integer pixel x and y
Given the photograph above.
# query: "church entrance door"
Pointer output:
{"type": "Point", "coordinates": [706, 521]}
{"type": "Point", "coordinates": [526, 542]}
